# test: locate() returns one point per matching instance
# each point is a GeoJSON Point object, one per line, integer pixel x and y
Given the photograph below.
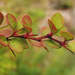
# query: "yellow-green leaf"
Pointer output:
{"type": "Point", "coordinates": [61, 29]}
{"type": "Point", "coordinates": [45, 30]}
{"type": "Point", "coordinates": [67, 35]}
{"type": "Point", "coordinates": [72, 46]}
{"type": "Point", "coordinates": [58, 20]}
{"type": "Point", "coordinates": [3, 40]}
{"type": "Point", "coordinates": [53, 44]}
{"type": "Point", "coordinates": [19, 19]}
{"type": "Point", "coordinates": [21, 31]}
{"type": "Point", "coordinates": [15, 46]}
{"type": "Point", "coordinates": [20, 41]}
{"type": "Point", "coordinates": [11, 20]}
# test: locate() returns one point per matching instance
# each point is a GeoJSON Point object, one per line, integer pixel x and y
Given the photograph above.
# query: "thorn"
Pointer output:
{"type": "Point", "coordinates": [44, 46]}
{"type": "Point", "coordinates": [68, 49]}
{"type": "Point", "coordinates": [13, 52]}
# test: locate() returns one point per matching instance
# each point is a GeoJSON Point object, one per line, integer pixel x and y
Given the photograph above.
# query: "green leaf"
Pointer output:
{"type": "Point", "coordinates": [72, 46]}
{"type": "Point", "coordinates": [19, 19]}
{"type": "Point", "coordinates": [4, 23]}
{"type": "Point", "coordinates": [1, 18]}
{"type": "Point", "coordinates": [20, 41]}
{"type": "Point", "coordinates": [21, 31]}
{"type": "Point", "coordinates": [28, 29]}
{"type": "Point", "coordinates": [3, 40]}
{"type": "Point", "coordinates": [58, 20]}
{"type": "Point", "coordinates": [11, 20]}
{"type": "Point", "coordinates": [15, 46]}
{"type": "Point", "coordinates": [52, 27]}
{"type": "Point", "coordinates": [61, 29]}
{"type": "Point", "coordinates": [45, 30]}
{"type": "Point", "coordinates": [67, 35]}
{"type": "Point", "coordinates": [35, 43]}
{"type": "Point", "coordinates": [53, 44]}
{"type": "Point", "coordinates": [26, 20]}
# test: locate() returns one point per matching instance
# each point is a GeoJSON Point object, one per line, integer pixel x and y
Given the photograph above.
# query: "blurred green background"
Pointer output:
{"type": "Point", "coordinates": [34, 60]}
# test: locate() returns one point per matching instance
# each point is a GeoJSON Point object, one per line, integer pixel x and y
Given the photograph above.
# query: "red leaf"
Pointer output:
{"type": "Point", "coordinates": [6, 32]}
{"type": "Point", "coordinates": [4, 23]}
{"type": "Point", "coordinates": [1, 18]}
{"type": "Point", "coordinates": [52, 27]}
{"type": "Point", "coordinates": [35, 43]}
{"type": "Point", "coordinates": [26, 20]}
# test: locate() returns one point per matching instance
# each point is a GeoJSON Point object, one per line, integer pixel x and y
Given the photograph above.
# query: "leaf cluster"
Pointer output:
{"type": "Point", "coordinates": [14, 33]}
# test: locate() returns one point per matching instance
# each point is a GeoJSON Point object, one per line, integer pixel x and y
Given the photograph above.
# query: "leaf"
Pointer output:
{"type": "Point", "coordinates": [6, 32]}
{"type": "Point", "coordinates": [20, 32]}
{"type": "Point", "coordinates": [3, 40]}
{"type": "Point", "coordinates": [35, 43]}
{"type": "Point", "coordinates": [26, 20]}
{"type": "Point", "coordinates": [11, 20]}
{"type": "Point", "coordinates": [1, 18]}
{"type": "Point", "coordinates": [72, 46]}
{"type": "Point", "coordinates": [20, 41]}
{"type": "Point", "coordinates": [52, 27]}
{"type": "Point", "coordinates": [58, 20]}
{"type": "Point", "coordinates": [67, 35]}
{"type": "Point", "coordinates": [4, 23]}
{"type": "Point", "coordinates": [45, 30]}
{"type": "Point", "coordinates": [28, 29]}
{"type": "Point", "coordinates": [19, 19]}
{"type": "Point", "coordinates": [15, 46]}
{"type": "Point", "coordinates": [52, 43]}
{"type": "Point", "coordinates": [61, 29]}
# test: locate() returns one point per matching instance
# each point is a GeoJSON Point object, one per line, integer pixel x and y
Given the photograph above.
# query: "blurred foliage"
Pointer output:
{"type": "Point", "coordinates": [33, 61]}
{"type": "Point", "coordinates": [62, 4]}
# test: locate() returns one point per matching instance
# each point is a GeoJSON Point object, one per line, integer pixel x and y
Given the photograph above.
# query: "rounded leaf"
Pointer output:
{"type": "Point", "coordinates": [4, 23]}
{"type": "Point", "coordinates": [3, 40]}
{"type": "Point", "coordinates": [11, 20]}
{"type": "Point", "coordinates": [26, 20]}
{"type": "Point", "coordinates": [52, 27]}
{"type": "Point", "coordinates": [67, 35]}
{"type": "Point", "coordinates": [6, 32]}
{"type": "Point", "coordinates": [58, 20]}
{"type": "Point", "coordinates": [72, 46]}
{"type": "Point", "coordinates": [28, 29]}
{"type": "Point", "coordinates": [19, 19]}
{"type": "Point", "coordinates": [20, 41]}
{"type": "Point", "coordinates": [45, 30]}
{"type": "Point", "coordinates": [20, 32]}
{"type": "Point", "coordinates": [35, 43]}
{"type": "Point", "coordinates": [61, 29]}
{"type": "Point", "coordinates": [15, 46]}
{"type": "Point", "coordinates": [53, 44]}
{"type": "Point", "coordinates": [1, 18]}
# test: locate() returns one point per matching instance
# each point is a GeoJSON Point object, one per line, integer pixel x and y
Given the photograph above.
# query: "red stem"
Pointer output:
{"type": "Point", "coordinates": [38, 38]}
